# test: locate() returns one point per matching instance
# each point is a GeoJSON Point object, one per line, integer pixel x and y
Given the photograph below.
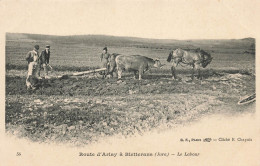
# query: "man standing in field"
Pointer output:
{"type": "Point", "coordinates": [104, 58]}
{"type": "Point", "coordinates": [44, 61]}
{"type": "Point", "coordinates": [32, 58]}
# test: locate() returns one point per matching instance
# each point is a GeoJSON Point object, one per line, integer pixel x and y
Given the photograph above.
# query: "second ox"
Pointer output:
{"type": "Point", "coordinates": [136, 63]}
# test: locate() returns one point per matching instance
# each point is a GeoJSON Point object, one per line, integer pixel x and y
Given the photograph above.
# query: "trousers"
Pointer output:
{"type": "Point", "coordinates": [45, 69]}
{"type": "Point", "coordinates": [32, 71]}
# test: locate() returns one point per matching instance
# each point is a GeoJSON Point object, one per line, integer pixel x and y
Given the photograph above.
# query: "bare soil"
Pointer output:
{"type": "Point", "coordinates": [82, 110]}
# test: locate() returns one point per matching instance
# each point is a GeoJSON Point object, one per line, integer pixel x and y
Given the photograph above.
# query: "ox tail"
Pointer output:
{"type": "Point", "coordinates": [170, 57]}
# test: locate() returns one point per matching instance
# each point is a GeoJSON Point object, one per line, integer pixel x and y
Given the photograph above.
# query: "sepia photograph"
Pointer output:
{"type": "Point", "coordinates": [80, 89]}
{"type": "Point", "coordinates": [129, 82]}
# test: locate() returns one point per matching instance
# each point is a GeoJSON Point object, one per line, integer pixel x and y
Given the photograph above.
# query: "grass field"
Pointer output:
{"type": "Point", "coordinates": [227, 54]}
{"type": "Point", "coordinates": [82, 110]}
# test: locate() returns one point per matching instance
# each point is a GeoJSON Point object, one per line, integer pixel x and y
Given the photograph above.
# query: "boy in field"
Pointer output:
{"type": "Point", "coordinates": [44, 61]}
{"type": "Point", "coordinates": [104, 59]}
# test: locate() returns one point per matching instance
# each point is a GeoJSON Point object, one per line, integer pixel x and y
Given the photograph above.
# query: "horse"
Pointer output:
{"type": "Point", "coordinates": [197, 59]}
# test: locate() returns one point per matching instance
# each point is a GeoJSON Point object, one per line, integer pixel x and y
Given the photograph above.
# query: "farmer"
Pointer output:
{"type": "Point", "coordinates": [32, 58]}
{"type": "Point", "coordinates": [44, 61]}
{"type": "Point", "coordinates": [104, 58]}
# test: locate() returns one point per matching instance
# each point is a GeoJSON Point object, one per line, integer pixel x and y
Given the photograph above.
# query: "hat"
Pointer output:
{"type": "Point", "coordinates": [37, 47]}
{"type": "Point", "coordinates": [105, 48]}
{"type": "Point", "coordinates": [48, 46]}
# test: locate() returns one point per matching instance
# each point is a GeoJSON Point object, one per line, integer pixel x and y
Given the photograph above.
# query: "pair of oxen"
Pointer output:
{"type": "Point", "coordinates": [139, 64]}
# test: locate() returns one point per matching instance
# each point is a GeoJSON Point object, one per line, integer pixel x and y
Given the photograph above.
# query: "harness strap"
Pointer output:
{"type": "Point", "coordinates": [183, 62]}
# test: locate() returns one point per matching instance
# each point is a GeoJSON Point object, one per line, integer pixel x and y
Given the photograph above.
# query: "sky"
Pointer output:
{"type": "Point", "coordinates": [161, 19]}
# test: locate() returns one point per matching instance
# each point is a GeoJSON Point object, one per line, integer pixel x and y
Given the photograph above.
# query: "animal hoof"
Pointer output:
{"type": "Point", "coordinates": [177, 79]}
{"type": "Point", "coordinates": [188, 80]}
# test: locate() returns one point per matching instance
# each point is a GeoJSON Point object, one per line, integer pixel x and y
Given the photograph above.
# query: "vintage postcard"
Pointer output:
{"type": "Point", "coordinates": [129, 82]}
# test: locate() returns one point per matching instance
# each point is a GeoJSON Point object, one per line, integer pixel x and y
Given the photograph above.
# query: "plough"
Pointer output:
{"type": "Point", "coordinates": [82, 73]}
{"type": "Point", "coordinates": [247, 99]}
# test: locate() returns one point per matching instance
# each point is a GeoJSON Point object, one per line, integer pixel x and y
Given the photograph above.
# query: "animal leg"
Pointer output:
{"type": "Point", "coordinates": [112, 69]}
{"type": "Point", "coordinates": [199, 74]}
{"type": "Point", "coordinates": [140, 77]}
{"type": "Point", "coordinates": [198, 71]}
{"type": "Point", "coordinates": [135, 74]}
{"type": "Point", "coordinates": [119, 73]}
{"type": "Point", "coordinates": [173, 70]}
{"type": "Point", "coordinates": [193, 71]}
{"type": "Point", "coordinates": [140, 74]}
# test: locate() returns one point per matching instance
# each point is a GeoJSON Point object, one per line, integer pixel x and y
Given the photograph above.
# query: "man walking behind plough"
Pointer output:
{"type": "Point", "coordinates": [32, 58]}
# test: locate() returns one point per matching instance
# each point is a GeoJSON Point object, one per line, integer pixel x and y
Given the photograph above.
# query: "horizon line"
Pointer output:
{"type": "Point", "coordinates": [149, 38]}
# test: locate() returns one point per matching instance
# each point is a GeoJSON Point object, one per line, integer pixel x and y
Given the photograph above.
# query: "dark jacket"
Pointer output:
{"type": "Point", "coordinates": [44, 57]}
